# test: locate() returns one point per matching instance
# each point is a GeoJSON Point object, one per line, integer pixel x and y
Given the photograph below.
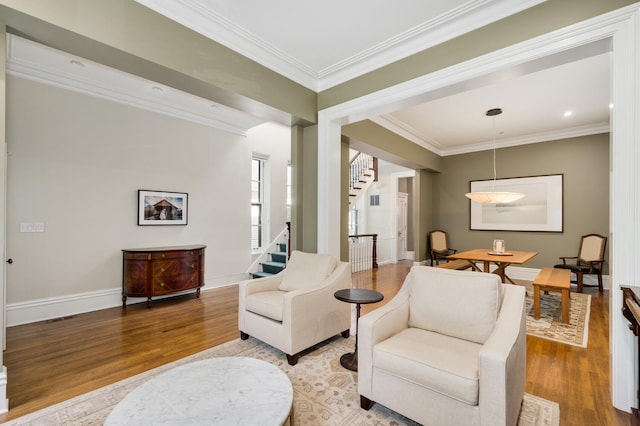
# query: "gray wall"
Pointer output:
{"type": "Point", "coordinates": [76, 163]}
{"type": "Point", "coordinates": [584, 161]}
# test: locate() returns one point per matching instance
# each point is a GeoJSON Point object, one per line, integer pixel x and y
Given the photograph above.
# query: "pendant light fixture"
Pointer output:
{"type": "Point", "coordinates": [494, 197]}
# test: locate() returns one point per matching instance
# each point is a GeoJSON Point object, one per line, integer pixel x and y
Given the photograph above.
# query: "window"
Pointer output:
{"type": "Point", "coordinates": [353, 221]}
{"type": "Point", "coordinates": [257, 201]}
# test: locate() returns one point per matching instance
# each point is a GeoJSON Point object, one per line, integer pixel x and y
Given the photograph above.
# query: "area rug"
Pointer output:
{"type": "Point", "coordinates": [550, 325]}
{"type": "Point", "coordinates": [324, 392]}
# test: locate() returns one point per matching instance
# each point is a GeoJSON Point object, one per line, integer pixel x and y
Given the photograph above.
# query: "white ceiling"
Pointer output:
{"type": "Point", "coordinates": [320, 44]}
{"type": "Point", "coordinates": [534, 107]}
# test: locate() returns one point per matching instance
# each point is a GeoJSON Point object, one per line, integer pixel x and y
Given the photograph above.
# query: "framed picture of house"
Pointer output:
{"type": "Point", "coordinates": [162, 208]}
{"type": "Point", "coordinates": [541, 209]}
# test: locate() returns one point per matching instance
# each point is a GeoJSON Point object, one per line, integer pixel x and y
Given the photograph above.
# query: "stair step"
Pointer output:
{"type": "Point", "coordinates": [279, 256]}
{"type": "Point", "coordinates": [273, 267]}
{"type": "Point", "coordinates": [260, 274]}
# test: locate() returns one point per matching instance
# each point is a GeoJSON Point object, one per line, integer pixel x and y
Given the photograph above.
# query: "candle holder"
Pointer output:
{"type": "Point", "coordinates": [498, 246]}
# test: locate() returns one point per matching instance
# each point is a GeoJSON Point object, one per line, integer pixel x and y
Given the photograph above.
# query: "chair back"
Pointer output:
{"type": "Point", "coordinates": [592, 248]}
{"type": "Point", "coordinates": [461, 304]}
{"type": "Point", "coordinates": [438, 240]}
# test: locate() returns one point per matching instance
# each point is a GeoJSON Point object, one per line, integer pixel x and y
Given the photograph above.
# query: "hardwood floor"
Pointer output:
{"type": "Point", "coordinates": [49, 362]}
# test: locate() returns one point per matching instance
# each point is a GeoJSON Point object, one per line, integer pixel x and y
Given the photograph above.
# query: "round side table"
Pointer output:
{"type": "Point", "coordinates": [359, 296]}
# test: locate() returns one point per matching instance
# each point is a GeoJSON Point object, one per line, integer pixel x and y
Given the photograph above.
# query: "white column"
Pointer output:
{"type": "Point", "coordinates": [624, 249]}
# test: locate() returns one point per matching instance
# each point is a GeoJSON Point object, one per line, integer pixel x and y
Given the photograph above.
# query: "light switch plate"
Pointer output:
{"type": "Point", "coordinates": [32, 227]}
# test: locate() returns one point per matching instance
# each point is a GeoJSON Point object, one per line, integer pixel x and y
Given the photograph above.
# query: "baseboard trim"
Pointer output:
{"type": "Point", "coordinates": [75, 304]}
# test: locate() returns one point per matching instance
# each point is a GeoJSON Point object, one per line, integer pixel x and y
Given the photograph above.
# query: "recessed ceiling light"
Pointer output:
{"type": "Point", "coordinates": [610, 106]}
{"type": "Point", "coordinates": [76, 63]}
{"type": "Point", "coordinates": [568, 114]}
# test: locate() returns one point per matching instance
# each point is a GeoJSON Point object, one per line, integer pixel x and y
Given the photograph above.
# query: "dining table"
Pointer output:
{"type": "Point", "coordinates": [501, 260]}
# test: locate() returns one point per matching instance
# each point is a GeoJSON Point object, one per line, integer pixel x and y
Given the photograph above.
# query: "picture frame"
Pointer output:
{"type": "Point", "coordinates": [162, 208]}
{"type": "Point", "coordinates": [541, 209]}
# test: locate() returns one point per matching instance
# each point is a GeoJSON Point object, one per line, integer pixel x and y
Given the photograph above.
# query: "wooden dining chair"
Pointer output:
{"type": "Point", "coordinates": [589, 260]}
{"type": "Point", "coordinates": [439, 247]}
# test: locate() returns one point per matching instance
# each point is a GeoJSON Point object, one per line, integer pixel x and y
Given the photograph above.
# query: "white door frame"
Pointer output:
{"type": "Point", "coordinates": [4, 402]}
{"type": "Point", "coordinates": [394, 178]}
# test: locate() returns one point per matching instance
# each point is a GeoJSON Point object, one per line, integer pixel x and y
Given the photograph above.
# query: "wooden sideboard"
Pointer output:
{"type": "Point", "coordinates": [159, 271]}
{"type": "Point", "coordinates": [631, 311]}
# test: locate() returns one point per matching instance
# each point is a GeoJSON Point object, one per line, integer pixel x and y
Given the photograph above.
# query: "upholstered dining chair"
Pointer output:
{"type": "Point", "coordinates": [439, 247]}
{"type": "Point", "coordinates": [589, 260]}
{"type": "Point", "coordinates": [296, 308]}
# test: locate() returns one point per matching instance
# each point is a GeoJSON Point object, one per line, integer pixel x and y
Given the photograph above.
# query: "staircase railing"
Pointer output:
{"type": "Point", "coordinates": [363, 252]}
{"type": "Point", "coordinates": [283, 236]}
{"type": "Point", "coordinates": [360, 165]}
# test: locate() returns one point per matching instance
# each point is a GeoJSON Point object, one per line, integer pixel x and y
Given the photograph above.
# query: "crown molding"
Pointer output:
{"type": "Point", "coordinates": [554, 135]}
{"type": "Point", "coordinates": [418, 138]}
{"type": "Point", "coordinates": [463, 19]}
{"type": "Point", "coordinates": [408, 132]}
{"type": "Point", "coordinates": [34, 61]}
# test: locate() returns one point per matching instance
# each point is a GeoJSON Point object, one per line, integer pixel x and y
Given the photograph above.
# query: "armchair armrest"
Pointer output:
{"type": "Point", "coordinates": [564, 259]}
{"type": "Point", "coordinates": [502, 362]}
{"type": "Point", "coordinates": [257, 285]}
{"type": "Point", "coordinates": [375, 327]}
{"type": "Point", "coordinates": [594, 265]}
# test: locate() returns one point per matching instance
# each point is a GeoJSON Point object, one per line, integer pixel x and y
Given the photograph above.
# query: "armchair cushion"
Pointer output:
{"type": "Point", "coordinates": [445, 303]}
{"type": "Point", "coordinates": [435, 361]}
{"type": "Point", "coordinates": [306, 270]}
{"type": "Point", "coordinates": [269, 304]}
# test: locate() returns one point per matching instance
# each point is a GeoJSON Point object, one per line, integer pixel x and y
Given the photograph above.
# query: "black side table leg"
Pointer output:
{"type": "Point", "coordinates": [350, 360]}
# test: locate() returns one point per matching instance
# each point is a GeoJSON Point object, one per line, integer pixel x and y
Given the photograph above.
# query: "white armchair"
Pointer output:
{"type": "Point", "coordinates": [448, 349]}
{"type": "Point", "coordinates": [295, 309]}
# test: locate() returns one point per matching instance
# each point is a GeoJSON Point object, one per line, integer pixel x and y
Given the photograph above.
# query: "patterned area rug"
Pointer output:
{"type": "Point", "coordinates": [324, 392]}
{"type": "Point", "coordinates": [550, 325]}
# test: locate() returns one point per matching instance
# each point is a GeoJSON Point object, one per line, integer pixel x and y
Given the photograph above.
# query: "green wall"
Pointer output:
{"type": "Point", "coordinates": [344, 201]}
{"type": "Point", "coordinates": [423, 211]}
{"type": "Point", "coordinates": [309, 190]}
{"type": "Point", "coordinates": [584, 161]}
